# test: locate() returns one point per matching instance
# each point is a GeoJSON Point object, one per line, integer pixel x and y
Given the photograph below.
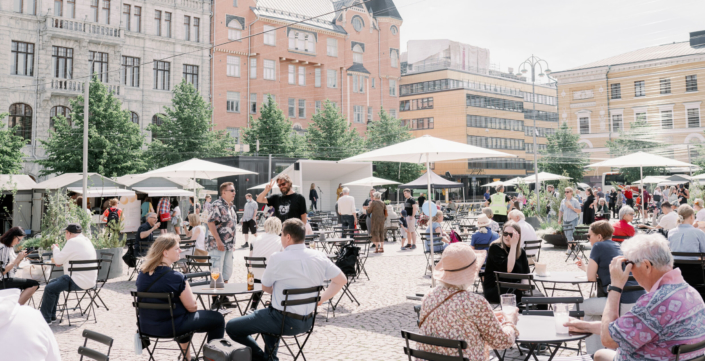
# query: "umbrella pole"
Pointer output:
{"type": "Point", "coordinates": [643, 199]}
{"type": "Point", "coordinates": [430, 228]}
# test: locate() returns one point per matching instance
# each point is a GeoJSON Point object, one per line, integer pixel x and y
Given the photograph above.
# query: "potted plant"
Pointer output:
{"type": "Point", "coordinates": [552, 233]}
{"type": "Point", "coordinates": [111, 240]}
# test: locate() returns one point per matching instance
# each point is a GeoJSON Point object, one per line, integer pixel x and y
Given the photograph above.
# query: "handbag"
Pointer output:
{"type": "Point", "coordinates": [165, 217]}
{"type": "Point", "coordinates": [224, 350]}
{"type": "Point", "coordinates": [129, 257]}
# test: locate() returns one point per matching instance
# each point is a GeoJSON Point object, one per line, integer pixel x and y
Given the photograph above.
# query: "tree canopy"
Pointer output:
{"type": "Point", "coordinates": [330, 137]}
{"type": "Point", "coordinates": [563, 154]}
{"type": "Point", "coordinates": [385, 132]}
{"type": "Point", "coordinates": [273, 130]}
{"type": "Point", "coordinates": [10, 149]}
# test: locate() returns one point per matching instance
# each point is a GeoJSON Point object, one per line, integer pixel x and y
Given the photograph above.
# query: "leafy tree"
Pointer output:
{"type": "Point", "coordinates": [114, 141]}
{"type": "Point", "coordinates": [563, 154]}
{"type": "Point", "coordinates": [639, 138]}
{"type": "Point", "coordinates": [273, 130]}
{"type": "Point", "coordinates": [186, 132]}
{"type": "Point", "coordinates": [385, 132]}
{"type": "Point", "coordinates": [330, 136]}
{"type": "Point", "coordinates": [10, 150]}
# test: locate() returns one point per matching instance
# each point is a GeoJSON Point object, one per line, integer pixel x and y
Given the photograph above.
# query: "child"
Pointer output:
{"type": "Point", "coordinates": [403, 229]}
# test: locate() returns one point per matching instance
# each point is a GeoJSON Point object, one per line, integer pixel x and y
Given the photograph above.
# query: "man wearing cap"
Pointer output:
{"type": "Point", "coordinates": [77, 248]}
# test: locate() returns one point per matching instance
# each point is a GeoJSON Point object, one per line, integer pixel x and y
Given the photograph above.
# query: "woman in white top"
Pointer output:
{"type": "Point", "coordinates": [267, 244]}
{"type": "Point", "coordinates": [176, 217]}
{"type": "Point", "coordinates": [9, 262]}
{"type": "Point", "coordinates": [673, 196]}
{"type": "Point", "coordinates": [699, 208]}
{"type": "Point", "coordinates": [198, 234]}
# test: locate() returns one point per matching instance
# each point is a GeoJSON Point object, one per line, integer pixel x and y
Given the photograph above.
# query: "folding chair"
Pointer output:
{"type": "Point", "coordinates": [460, 345]}
{"type": "Point", "coordinates": [84, 351]}
{"type": "Point", "coordinates": [80, 266]}
{"type": "Point", "coordinates": [165, 302]}
{"type": "Point", "coordinates": [346, 288]}
{"type": "Point", "coordinates": [427, 253]}
{"type": "Point", "coordinates": [364, 243]}
{"type": "Point", "coordinates": [531, 246]}
{"type": "Point", "coordinates": [195, 266]}
{"type": "Point", "coordinates": [575, 246]}
{"type": "Point", "coordinates": [311, 301]}
{"type": "Point", "coordinates": [199, 279]}
{"type": "Point", "coordinates": [693, 269]}
{"type": "Point", "coordinates": [105, 258]}
{"type": "Point", "coordinates": [256, 262]}
{"type": "Point", "coordinates": [144, 248]}
{"type": "Point", "coordinates": [393, 229]}
{"type": "Point", "coordinates": [683, 349]}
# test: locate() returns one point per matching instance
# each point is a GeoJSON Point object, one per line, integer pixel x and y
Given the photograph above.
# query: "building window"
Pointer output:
{"type": "Point", "coordinates": [317, 107]}
{"type": "Point", "coordinates": [691, 83]}
{"type": "Point", "coordinates": [130, 75]}
{"type": "Point", "coordinates": [21, 117]}
{"type": "Point", "coordinates": [359, 114]}
{"type": "Point", "coordinates": [394, 30]}
{"type": "Point", "coordinates": [667, 119]}
{"type": "Point", "coordinates": [317, 73]}
{"type": "Point", "coordinates": [17, 6]}
{"type": "Point", "coordinates": [253, 68]}
{"type": "Point", "coordinates": [191, 74]}
{"type": "Point", "coordinates": [58, 6]}
{"type": "Point", "coordinates": [22, 58]}
{"type": "Point", "coordinates": [357, 23]}
{"type": "Point", "coordinates": [292, 107]}
{"type": "Point", "coordinates": [234, 3]}
{"type": "Point", "coordinates": [292, 74]}
{"type": "Point", "coordinates": [302, 75]}
{"type": "Point", "coordinates": [161, 75]}
{"type": "Point", "coordinates": [158, 119]}
{"type": "Point", "coordinates": [187, 28]}
{"type": "Point", "coordinates": [392, 87]}
{"type": "Point", "coordinates": [332, 79]}
{"type": "Point", "coordinates": [497, 103]}
{"type": "Point", "coordinates": [357, 54]}
{"type": "Point", "coordinates": [59, 110]}
{"type": "Point", "coordinates": [416, 104]}
{"type": "Point", "coordinates": [158, 22]}
{"type": "Point", "coordinates": [616, 123]}
{"type": "Point", "coordinates": [616, 91]}
{"type": "Point", "coordinates": [369, 114]}
{"type": "Point", "coordinates": [639, 88]}
{"type": "Point", "coordinates": [167, 24]}
{"type": "Point", "coordinates": [496, 143]}
{"type": "Point", "coordinates": [106, 11]}
{"type": "Point", "coordinates": [393, 113]}
{"type": "Point", "coordinates": [270, 35]}
{"type": "Point", "coordinates": [233, 102]}
{"type": "Point", "coordinates": [332, 47]}
{"type": "Point", "coordinates": [302, 108]}
{"type": "Point", "coordinates": [233, 67]}
{"type": "Point", "coordinates": [234, 132]}
{"type": "Point", "coordinates": [126, 16]}
{"type": "Point", "coordinates": [269, 70]}
{"type": "Point", "coordinates": [640, 117]}
{"type": "Point", "coordinates": [137, 18]}
{"type": "Point", "coordinates": [693, 117]}
{"type": "Point", "coordinates": [94, 11]}
{"type": "Point", "coordinates": [234, 30]}
{"type": "Point", "coordinates": [394, 54]}
{"type": "Point", "coordinates": [253, 103]}
{"type": "Point", "coordinates": [100, 65]}
{"type": "Point", "coordinates": [196, 29]}
{"type": "Point", "coordinates": [301, 41]}
{"type": "Point", "coordinates": [373, 83]}
{"type": "Point", "coordinates": [63, 62]}
{"type": "Point", "coordinates": [418, 124]}
{"type": "Point", "coordinates": [358, 83]}
{"type": "Point", "coordinates": [478, 121]}
{"type": "Point", "coordinates": [665, 86]}
{"type": "Point", "coordinates": [70, 8]}
{"type": "Point", "coordinates": [584, 125]}
{"type": "Point", "coordinates": [134, 117]}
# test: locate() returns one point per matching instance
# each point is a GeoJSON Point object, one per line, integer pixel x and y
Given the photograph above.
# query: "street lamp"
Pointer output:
{"type": "Point", "coordinates": [532, 63]}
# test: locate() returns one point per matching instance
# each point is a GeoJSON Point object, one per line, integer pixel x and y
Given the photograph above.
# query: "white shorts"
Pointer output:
{"type": "Point", "coordinates": [410, 224]}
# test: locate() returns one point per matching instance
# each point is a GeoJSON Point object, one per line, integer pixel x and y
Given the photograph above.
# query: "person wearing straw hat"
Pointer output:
{"type": "Point", "coordinates": [452, 312]}
{"type": "Point", "coordinates": [481, 239]}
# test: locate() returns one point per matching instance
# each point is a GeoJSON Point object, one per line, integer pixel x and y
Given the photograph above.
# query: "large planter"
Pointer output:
{"type": "Point", "coordinates": [116, 267]}
{"type": "Point", "coordinates": [534, 222]}
{"type": "Point", "coordinates": [557, 240]}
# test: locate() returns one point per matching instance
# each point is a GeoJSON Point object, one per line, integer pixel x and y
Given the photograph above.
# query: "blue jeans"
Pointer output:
{"type": "Point", "coordinates": [348, 221]}
{"type": "Point", "coordinates": [211, 322]}
{"type": "Point", "coordinates": [573, 223]}
{"type": "Point", "coordinates": [52, 291]}
{"type": "Point", "coordinates": [223, 260]}
{"type": "Point", "coordinates": [266, 320]}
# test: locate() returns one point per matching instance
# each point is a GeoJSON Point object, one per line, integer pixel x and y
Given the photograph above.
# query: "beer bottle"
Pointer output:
{"type": "Point", "coordinates": [250, 280]}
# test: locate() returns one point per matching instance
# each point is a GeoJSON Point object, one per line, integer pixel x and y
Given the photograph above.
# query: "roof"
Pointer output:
{"type": "Point", "coordinates": [20, 182]}
{"type": "Point", "coordinates": [298, 10]}
{"type": "Point", "coordinates": [665, 51]}
{"type": "Point", "coordinates": [383, 8]}
{"type": "Point", "coordinates": [69, 178]}
{"type": "Point", "coordinates": [358, 68]}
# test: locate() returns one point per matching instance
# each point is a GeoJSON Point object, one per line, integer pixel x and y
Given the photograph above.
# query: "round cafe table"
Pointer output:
{"type": "Point", "coordinates": [229, 289]}
{"type": "Point", "coordinates": [536, 330]}
{"type": "Point", "coordinates": [574, 278]}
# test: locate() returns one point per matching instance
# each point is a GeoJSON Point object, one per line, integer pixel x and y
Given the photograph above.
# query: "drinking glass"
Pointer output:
{"type": "Point", "coordinates": [215, 273]}
{"type": "Point", "coordinates": [509, 306]}
{"type": "Point", "coordinates": [560, 315]}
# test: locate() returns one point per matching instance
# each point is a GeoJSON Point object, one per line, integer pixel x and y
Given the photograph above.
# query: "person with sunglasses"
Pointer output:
{"type": "Point", "coordinates": [287, 204]}
{"type": "Point", "coordinates": [504, 255]}
{"type": "Point", "coordinates": [222, 222]}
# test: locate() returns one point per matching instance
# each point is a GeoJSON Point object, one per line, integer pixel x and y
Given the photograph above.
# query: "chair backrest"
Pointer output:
{"type": "Point", "coordinates": [433, 341]}
{"type": "Point", "coordinates": [529, 301]}
{"type": "Point", "coordinates": [502, 282]}
{"type": "Point", "coordinates": [313, 300]}
{"type": "Point", "coordinates": [693, 270]}
{"type": "Point", "coordinates": [167, 304]}
{"type": "Point", "coordinates": [84, 266]}
{"type": "Point", "coordinates": [93, 354]}
{"type": "Point", "coordinates": [106, 262]}
{"type": "Point", "coordinates": [194, 260]}
{"type": "Point", "coordinates": [620, 238]}
{"type": "Point", "coordinates": [144, 246]}
{"type": "Point", "coordinates": [679, 349]}
{"type": "Point", "coordinates": [256, 262]}
{"type": "Point", "coordinates": [191, 278]}
{"type": "Point", "coordinates": [533, 245]}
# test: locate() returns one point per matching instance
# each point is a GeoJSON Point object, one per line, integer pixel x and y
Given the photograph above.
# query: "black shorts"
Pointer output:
{"type": "Point", "coordinates": [163, 225]}
{"type": "Point", "coordinates": [249, 227]}
{"type": "Point", "coordinates": [21, 283]}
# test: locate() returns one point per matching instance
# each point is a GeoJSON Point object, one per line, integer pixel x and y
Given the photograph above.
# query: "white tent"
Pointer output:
{"type": "Point", "coordinates": [514, 181]}
{"type": "Point", "coordinates": [651, 179]}
{"type": "Point", "coordinates": [371, 182]}
{"type": "Point", "coordinates": [544, 177]}
{"type": "Point", "coordinates": [493, 184]}
{"type": "Point", "coordinates": [197, 169]}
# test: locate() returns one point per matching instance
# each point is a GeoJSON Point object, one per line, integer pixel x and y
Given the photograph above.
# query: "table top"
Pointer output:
{"type": "Point", "coordinates": [229, 289]}
{"type": "Point", "coordinates": [540, 329]}
{"type": "Point", "coordinates": [563, 277]}
{"type": "Point", "coordinates": [338, 240]}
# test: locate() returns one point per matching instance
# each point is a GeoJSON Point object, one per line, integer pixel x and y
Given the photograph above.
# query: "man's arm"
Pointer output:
{"type": "Point", "coordinates": [336, 285]}
{"type": "Point", "coordinates": [216, 236]}
{"type": "Point", "coordinates": [146, 234]}
{"type": "Point", "coordinates": [609, 315]}
{"type": "Point", "coordinates": [415, 210]}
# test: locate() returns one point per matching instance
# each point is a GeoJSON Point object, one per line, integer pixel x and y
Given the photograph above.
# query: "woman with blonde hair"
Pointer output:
{"type": "Point", "coordinates": [157, 276]}
{"type": "Point", "coordinates": [699, 208]}
{"type": "Point", "coordinates": [198, 234]}
{"type": "Point", "coordinates": [443, 237]}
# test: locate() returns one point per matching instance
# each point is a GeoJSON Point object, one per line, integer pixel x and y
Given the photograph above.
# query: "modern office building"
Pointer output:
{"type": "Point", "coordinates": [450, 90]}
{"type": "Point", "coordinates": [48, 48]}
{"type": "Point", "coordinates": [287, 50]}
{"type": "Point", "coordinates": [658, 84]}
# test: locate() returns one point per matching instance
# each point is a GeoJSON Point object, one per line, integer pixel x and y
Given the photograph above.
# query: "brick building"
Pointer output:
{"type": "Point", "coordinates": [349, 55]}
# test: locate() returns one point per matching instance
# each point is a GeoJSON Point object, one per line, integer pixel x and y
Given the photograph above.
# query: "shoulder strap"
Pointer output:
{"type": "Point", "coordinates": [438, 305]}
{"type": "Point", "coordinates": [157, 279]}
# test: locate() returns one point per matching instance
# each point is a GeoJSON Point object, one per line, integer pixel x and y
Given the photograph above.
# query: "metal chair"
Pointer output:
{"type": "Point", "coordinates": [144, 247]}
{"type": "Point", "coordinates": [394, 229]}
{"type": "Point", "coordinates": [511, 282]}
{"type": "Point", "coordinates": [194, 264]}
{"type": "Point", "coordinates": [80, 266]}
{"type": "Point", "coordinates": [436, 255]}
{"type": "Point", "coordinates": [575, 246]}
{"type": "Point", "coordinates": [364, 243]}
{"type": "Point", "coordinates": [84, 351]}
{"type": "Point", "coordinates": [531, 246]}
{"type": "Point", "coordinates": [199, 279]}
{"type": "Point", "coordinates": [693, 269]}
{"type": "Point", "coordinates": [105, 258]}
{"type": "Point", "coordinates": [529, 301]}
{"type": "Point", "coordinates": [683, 349]}
{"type": "Point", "coordinates": [256, 262]}
{"type": "Point", "coordinates": [460, 345]}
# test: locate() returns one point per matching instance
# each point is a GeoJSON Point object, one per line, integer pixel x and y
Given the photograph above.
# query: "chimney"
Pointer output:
{"type": "Point", "coordinates": [510, 70]}
{"type": "Point", "coordinates": [697, 38]}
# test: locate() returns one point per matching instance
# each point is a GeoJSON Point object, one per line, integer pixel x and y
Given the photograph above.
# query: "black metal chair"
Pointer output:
{"type": "Point", "coordinates": [144, 248]}
{"type": "Point", "coordinates": [693, 269]}
{"type": "Point", "coordinates": [459, 345]}
{"type": "Point", "coordinates": [427, 253]}
{"type": "Point", "coordinates": [533, 301]}
{"type": "Point", "coordinates": [80, 266]}
{"type": "Point", "coordinates": [256, 262]}
{"type": "Point", "coordinates": [364, 243]}
{"type": "Point", "coordinates": [312, 300]}
{"type": "Point", "coordinates": [682, 349]}
{"type": "Point", "coordinates": [511, 282]}
{"type": "Point", "coordinates": [575, 246]}
{"type": "Point", "coordinates": [199, 279]}
{"type": "Point", "coordinates": [105, 258]}
{"type": "Point", "coordinates": [84, 351]}
{"type": "Point", "coordinates": [195, 265]}
{"type": "Point", "coordinates": [394, 229]}
{"type": "Point", "coordinates": [532, 246]}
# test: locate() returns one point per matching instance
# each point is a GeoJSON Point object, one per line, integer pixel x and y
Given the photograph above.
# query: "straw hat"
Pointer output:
{"type": "Point", "coordinates": [483, 221]}
{"type": "Point", "coordinates": [455, 266]}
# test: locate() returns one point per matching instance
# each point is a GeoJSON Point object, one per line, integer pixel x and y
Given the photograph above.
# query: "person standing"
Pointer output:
{"type": "Point", "coordinates": [411, 209]}
{"type": "Point", "coordinates": [365, 204]}
{"type": "Point", "coordinates": [499, 202]}
{"type": "Point", "coordinates": [195, 207]}
{"type": "Point", "coordinates": [569, 212]}
{"type": "Point", "coordinates": [599, 194]}
{"type": "Point", "coordinates": [629, 196]}
{"type": "Point", "coordinates": [176, 217]}
{"type": "Point", "coordinates": [249, 224]}
{"type": "Point", "coordinates": [339, 191]}
{"type": "Point", "coordinates": [145, 208]}
{"type": "Point", "coordinates": [589, 207]}
{"type": "Point", "coordinates": [487, 195]}
{"type": "Point", "coordinates": [422, 200]}
{"type": "Point", "coordinates": [163, 209]}
{"type": "Point", "coordinates": [222, 221]}
{"type": "Point", "coordinates": [207, 205]}
{"type": "Point", "coordinates": [313, 196]}
{"type": "Point", "coordinates": [286, 205]}
{"type": "Point", "coordinates": [612, 201]}
{"type": "Point", "coordinates": [376, 214]}
{"type": "Point", "coordinates": [346, 209]}
{"type": "Point", "coordinates": [683, 194]}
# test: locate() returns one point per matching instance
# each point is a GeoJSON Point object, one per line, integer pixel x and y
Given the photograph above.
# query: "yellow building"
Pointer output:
{"type": "Point", "coordinates": [657, 84]}
{"type": "Point", "coordinates": [478, 106]}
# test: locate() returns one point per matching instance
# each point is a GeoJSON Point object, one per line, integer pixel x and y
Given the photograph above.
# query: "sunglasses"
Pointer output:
{"type": "Point", "coordinates": [567, 192]}
{"type": "Point", "coordinates": [230, 190]}
{"type": "Point", "coordinates": [510, 234]}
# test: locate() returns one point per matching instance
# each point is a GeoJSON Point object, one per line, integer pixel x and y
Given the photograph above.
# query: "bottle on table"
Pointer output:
{"type": "Point", "coordinates": [250, 280]}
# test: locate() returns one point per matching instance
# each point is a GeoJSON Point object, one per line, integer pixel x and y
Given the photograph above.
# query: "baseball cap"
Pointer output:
{"type": "Point", "coordinates": [74, 228]}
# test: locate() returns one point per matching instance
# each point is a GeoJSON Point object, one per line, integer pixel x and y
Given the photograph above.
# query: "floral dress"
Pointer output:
{"type": "Point", "coordinates": [465, 316]}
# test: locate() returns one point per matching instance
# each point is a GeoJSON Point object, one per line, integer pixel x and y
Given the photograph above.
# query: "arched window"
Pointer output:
{"type": "Point", "coordinates": [357, 23]}
{"type": "Point", "coordinates": [135, 118]}
{"type": "Point", "coordinates": [157, 120]}
{"type": "Point", "coordinates": [21, 117]}
{"type": "Point", "coordinates": [59, 110]}
{"type": "Point", "coordinates": [234, 30]}
{"type": "Point", "coordinates": [394, 30]}
{"type": "Point", "coordinates": [357, 54]}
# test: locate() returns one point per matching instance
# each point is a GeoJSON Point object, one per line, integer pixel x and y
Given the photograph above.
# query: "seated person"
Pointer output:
{"type": "Point", "coordinates": [668, 221]}
{"type": "Point", "coordinates": [145, 233]}
{"type": "Point", "coordinates": [23, 331]}
{"type": "Point", "coordinates": [671, 313]}
{"type": "Point", "coordinates": [602, 253]}
{"type": "Point", "coordinates": [77, 248]}
{"type": "Point", "coordinates": [494, 226]}
{"type": "Point", "coordinates": [267, 244]}
{"type": "Point", "coordinates": [623, 227]}
{"type": "Point", "coordinates": [295, 267]}
{"type": "Point", "coordinates": [198, 234]}
{"type": "Point", "coordinates": [602, 211]}
{"type": "Point", "coordinates": [481, 239]}
{"type": "Point", "coordinates": [527, 231]}
{"type": "Point", "coordinates": [156, 275]}
{"type": "Point", "coordinates": [9, 262]}
{"type": "Point", "coordinates": [452, 312]}
{"type": "Point", "coordinates": [443, 239]}
{"type": "Point", "coordinates": [685, 237]}
{"type": "Point", "coordinates": [504, 255]}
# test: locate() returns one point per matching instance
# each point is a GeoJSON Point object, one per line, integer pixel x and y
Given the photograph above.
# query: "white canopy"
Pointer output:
{"type": "Point", "coordinates": [102, 192]}
{"type": "Point", "coordinates": [437, 182]}
{"type": "Point", "coordinates": [163, 191]}
{"type": "Point", "coordinates": [641, 159]}
{"type": "Point", "coordinates": [651, 179]}
{"type": "Point", "coordinates": [543, 177]}
{"type": "Point", "coordinates": [197, 168]}
{"type": "Point", "coordinates": [515, 181]}
{"type": "Point", "coordinates": [371, 182]}
{"type": "Point", "coordinates": [493, 184]}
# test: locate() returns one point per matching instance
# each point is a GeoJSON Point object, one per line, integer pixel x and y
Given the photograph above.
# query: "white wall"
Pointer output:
{"type": "Point", "coordinates": [359, 193]}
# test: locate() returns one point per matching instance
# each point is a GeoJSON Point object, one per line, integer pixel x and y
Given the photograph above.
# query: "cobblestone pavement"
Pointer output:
{"type": "Point", "coordinates": [370, 331]}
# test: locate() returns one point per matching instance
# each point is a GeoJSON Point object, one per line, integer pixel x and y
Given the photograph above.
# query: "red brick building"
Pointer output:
{"type": "Point", "coordinates": [349, 56]}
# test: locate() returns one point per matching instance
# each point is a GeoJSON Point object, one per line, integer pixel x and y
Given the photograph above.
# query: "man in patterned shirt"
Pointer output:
{"type": "Point", "coordinates": [222, 221]}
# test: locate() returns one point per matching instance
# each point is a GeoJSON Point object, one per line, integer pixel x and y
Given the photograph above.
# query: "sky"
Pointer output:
{"type": "Point", "coordinates": [565, 33]}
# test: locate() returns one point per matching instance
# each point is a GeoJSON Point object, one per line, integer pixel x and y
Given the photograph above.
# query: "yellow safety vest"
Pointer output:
{"type": "Point", "coordinates": [498, 205]}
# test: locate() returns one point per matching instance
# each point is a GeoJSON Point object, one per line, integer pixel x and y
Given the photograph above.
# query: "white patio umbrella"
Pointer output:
{"type": "Point", "coordinates": [427, 149]}
{"type": "Point", "coordinates": [651, 179]}
{"type": "Point", "coordinates": [197, 169]}
{"type": "Point", "coordinates": [641, 160]}
{"type": "Point", "coordinates": [493, 184]}
{"type": "Point", "coordinates": [514, 181]}
{"type": "Point", "coordinates": [371, 182]}
{"type": "Point", "coordinates": [543, 177]}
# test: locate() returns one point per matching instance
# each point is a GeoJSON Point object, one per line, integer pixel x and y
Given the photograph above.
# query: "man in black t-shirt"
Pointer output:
{"type": "Point", "coordinates": [287, 204]}
{"type": "Point", "coordinates": [144, 233]}
{"type": "Point", "coordinates": [411, 209]}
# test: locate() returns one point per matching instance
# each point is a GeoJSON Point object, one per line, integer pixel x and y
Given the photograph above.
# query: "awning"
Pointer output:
{"type": "Point", "coordinates": [103, 192]}
{"type": "Point", "coordinates": [164, 191]}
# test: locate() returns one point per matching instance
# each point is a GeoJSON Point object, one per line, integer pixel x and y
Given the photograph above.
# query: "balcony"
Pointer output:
{"type": "Point", "coordinates": [82, 30]}
{"type": "Point", "coordinates": [75, 87]}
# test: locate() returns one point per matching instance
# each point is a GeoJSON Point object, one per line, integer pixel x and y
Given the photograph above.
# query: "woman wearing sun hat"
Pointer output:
{"type": "Point", "coordinates": [484, 236]}
{"type": "Point", "coordinates": [451, 312]}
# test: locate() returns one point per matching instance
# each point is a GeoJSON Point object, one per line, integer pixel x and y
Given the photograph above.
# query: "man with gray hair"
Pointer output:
{"type": "Point", "coordinates": [527, 231]}
{"type": "Point", "coordinates": [671, 313]}
{"type": "Point", "coordinates": [346, 209]}
{"type": "Point", "coordinates": [144, 233]}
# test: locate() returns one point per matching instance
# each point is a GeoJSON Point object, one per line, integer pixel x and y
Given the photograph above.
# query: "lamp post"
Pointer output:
{"type": "Point", "coordinates": [532, 63]}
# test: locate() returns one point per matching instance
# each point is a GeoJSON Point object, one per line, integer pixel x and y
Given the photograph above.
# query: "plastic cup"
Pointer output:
{"type": "Point", "coordinates": [560, 315]}
{"type": "Point", "coordinates": [540, 269]}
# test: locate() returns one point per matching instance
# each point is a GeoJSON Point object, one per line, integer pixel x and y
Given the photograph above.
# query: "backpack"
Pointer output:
{"type": "Point", "coordinates": [347, 259]}
{"type": "Point", "coordinates": [113, 215]}
{"type": "Point", "coordinates": [129, 257]}
{"type": "Point", "coordinates": [454, 237]}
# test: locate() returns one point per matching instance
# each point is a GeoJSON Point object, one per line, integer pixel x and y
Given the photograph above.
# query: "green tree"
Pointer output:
{"type": "Point", "coordinates": [385, 132]}
{"type": "Point", "coordinates": [563, 154]}
{"type": "Point", "coordinates": [273, 130]}
{"type": "Point", "coordinates": [10, 149]}
{"type": "Point", "coordinates": [330, 137]}
{"type": "Point", "coordinates": [185, 132]}
{"type": "Point", "coordinates": [639, 138]}
{"type": "Point", "coordinates": [114, 141]}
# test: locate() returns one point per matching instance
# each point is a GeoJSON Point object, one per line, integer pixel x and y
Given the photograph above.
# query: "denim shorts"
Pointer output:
{"type": "Point", "coordinates": [223, 260]}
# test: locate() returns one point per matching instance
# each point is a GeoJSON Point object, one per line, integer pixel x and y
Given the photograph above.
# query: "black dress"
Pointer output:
{"type": "Point", "coordinates": [497, 262]}
{"type": "Point", "coordinates": [588, 213]}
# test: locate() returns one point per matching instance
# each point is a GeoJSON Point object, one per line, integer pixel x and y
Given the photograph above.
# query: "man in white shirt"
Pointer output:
{"type": "Point", "coordinates": [295, 267]}
{"type": "Point", "coordinates": [346, 209]}
{"type": "Point", "coordinates": [77, 248]}
{"type": "Point", "coordinates": [23, 331]}
{"type": "Point", "coordinates": [527, 231]}
{"type": "Point", "coordinates": [668, 221]}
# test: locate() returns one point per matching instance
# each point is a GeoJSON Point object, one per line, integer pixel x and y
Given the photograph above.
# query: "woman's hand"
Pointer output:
{"type": "Point", "coordinates": [21, 255]}
{"type": "Point", "coordinates": [499, 315]}
{"type": "Point", "coordinates": [515, 239]}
